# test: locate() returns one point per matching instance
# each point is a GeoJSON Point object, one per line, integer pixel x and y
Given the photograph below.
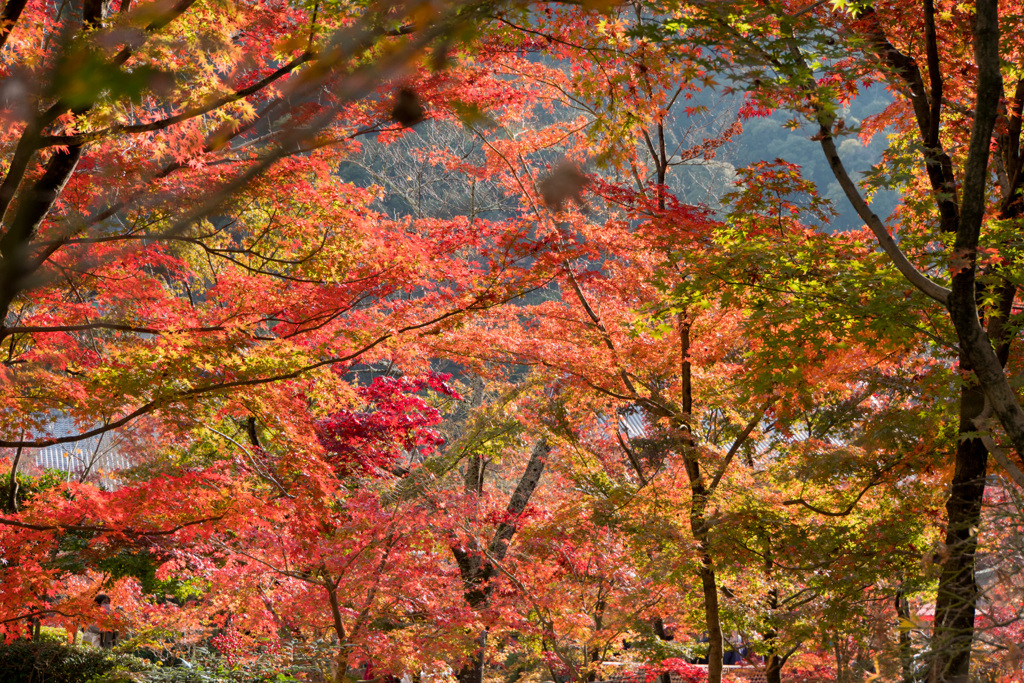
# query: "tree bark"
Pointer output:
{"type": "Point", "coordinates": [12, 484]}
{"type": "Point", "coordinates": [699, 494]}
{"type": "Point", "coordinates": [906, 654]}
{"type": "Point", "coordinates": [473, 670]}
{"type": "Point", "coordinates": [477, 567]}
{"type": "Point", "coordinates": [341, 660]}
{"type": "Point", "coordinates": [773, 662]}
{"type": "Point", "coordinates": [958, 591]}
{"type": "Point", "coordinates": [713, 616]}
{"type": "Point", "coordinates": [773, 669]}
{"type": "Point", "coordinates": [708, 581]}
{"type": "Point", "coordinates": [15, 252]}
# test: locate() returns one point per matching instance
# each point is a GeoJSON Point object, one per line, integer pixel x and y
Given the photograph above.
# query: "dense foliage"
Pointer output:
{"type": "Point", "coordinates": [49, 662]}
{"type": "Point", "coordinates": [356, 340]}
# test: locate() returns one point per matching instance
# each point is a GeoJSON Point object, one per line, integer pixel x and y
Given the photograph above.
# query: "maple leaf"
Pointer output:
{"type": "Point", "coordinates": [564, 183]}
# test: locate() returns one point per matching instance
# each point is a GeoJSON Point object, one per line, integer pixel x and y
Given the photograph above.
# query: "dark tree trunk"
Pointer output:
{"type": "Point", "coordinates": [983, 355]}
{"type": "Point", "coordinates": [473, 670]}
{"type": "Point", "coordinates": [476, 565]}
{"type": "Point", "coordinates": [341, 659]}
{"type": "Point", "coordinates": [699, 494]}
{"type": "Point", "coordinates": [906, 653]}
{"type": "Point", "coordinates": [773, 662]}
{"type": "Point", "coordinates": [773, 669]}
{"type": "Point", "coordinates": [713, 617]}
{"type": "Point", "coordinates": [658, 624]}
{"type": "Point", "coordinates": [708, 581]}
{"type": "Point", "coordinates": [957, 594]}
{"type": "Point", "coordinates": [958, 591]}
{"type": "Point", "coordinates": [593, 658]}
{"type": "Point", "coordinates": [842, 662]}
{"type": "Point", "coordinates": [11, 504]}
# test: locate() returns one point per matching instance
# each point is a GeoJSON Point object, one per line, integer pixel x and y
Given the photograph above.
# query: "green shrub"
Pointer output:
{"type": "Point", "coordinates": [53, 634]}
{"type": "Point", "coordinates": [25, 661]}
{"type": "Point", "coordinates": [198, 664]}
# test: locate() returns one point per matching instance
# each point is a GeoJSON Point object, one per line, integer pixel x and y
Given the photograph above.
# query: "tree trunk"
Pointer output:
{"type": "Point", "coordinates": [476, 566]}
{"type": "Point", "coordinates": [842, 662]}
{"type": "Point", "coordinates": [906, 654]}
{"type": "Point", "coordinates": [773, 669]}
{"type": "Point", "coordinates": [658, 624]}
{"type": "Point", "coordinates": [593, 659]}
{"type": "Point", "coordinates": [981, 354]}
{"type": "Point", "coordinates": [709, 584]}
{"type": "Point", "coordinates": [11, 504]}
{"type": "Point", "coordinates": [698, 508]}
{"type": "Point", "coordinates": [713, 617]}
{"type": "Point", "coordinates": [958, 591]}
{"type": "Point", "coordinates": [773, 662]}
{"type": "Point", "coordinates": [341, 660]}
{"type": "Point", "coordinates": [473, 670]}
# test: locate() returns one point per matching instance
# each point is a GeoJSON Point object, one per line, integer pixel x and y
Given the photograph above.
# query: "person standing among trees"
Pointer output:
{"type": "Point", "coordinates": [94, 635]}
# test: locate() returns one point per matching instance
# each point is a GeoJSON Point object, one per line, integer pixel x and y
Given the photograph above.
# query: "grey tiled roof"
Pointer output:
{"type": "Point", "coordinates": [97, 455]}
{"type": "Point", "coordinates": [632, 423]}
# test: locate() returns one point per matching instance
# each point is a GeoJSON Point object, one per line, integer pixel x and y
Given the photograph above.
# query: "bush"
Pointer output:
{"type": "Point", "coordinates": [26, 661]}
{"type": "Point", "coordinates": [213, 670]}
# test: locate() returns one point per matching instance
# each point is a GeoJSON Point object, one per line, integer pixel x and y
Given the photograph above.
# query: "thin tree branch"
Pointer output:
{"type": "Point", "coordinates": [739, 441]}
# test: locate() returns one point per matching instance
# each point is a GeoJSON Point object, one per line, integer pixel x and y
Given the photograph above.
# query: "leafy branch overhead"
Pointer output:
{"type": "Point", "coordinates": [349, 340]}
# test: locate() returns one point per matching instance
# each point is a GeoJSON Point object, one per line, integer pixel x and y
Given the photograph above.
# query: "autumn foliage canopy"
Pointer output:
{"type": "Point", "coordinates": [353, 340]}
